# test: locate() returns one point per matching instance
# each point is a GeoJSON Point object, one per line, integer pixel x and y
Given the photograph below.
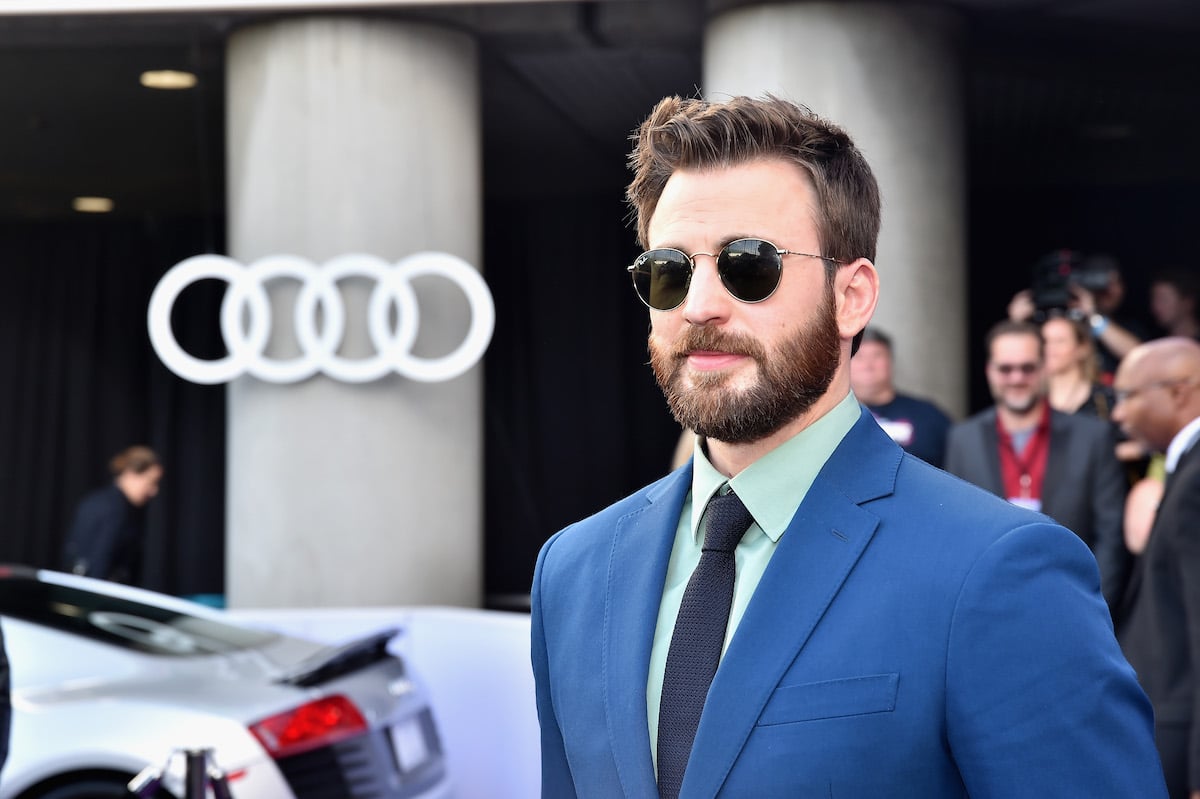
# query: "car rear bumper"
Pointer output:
{"type": "Point", "coordinates": [371, 766]}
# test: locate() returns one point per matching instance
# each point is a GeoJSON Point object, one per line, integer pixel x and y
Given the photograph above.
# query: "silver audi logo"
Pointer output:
{"type": "Point", "coordinates": [246, 318]}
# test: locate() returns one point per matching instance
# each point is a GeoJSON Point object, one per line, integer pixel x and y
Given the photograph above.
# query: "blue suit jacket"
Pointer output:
{"type": "Point", "coordinates": [913, 636]}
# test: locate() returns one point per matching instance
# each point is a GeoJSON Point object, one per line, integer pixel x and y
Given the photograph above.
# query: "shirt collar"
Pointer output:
{"type": "Point", "coordinates": [1181, 443]}
{"type": "Point", "coordinates": [773, 487]}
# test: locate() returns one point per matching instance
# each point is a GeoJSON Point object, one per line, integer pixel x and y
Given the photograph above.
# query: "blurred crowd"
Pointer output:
{"type": "Point", "coordinates": [1055, 356]}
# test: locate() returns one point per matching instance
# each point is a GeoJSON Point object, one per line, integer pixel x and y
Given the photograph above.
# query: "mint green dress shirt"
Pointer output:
{"type": "Point", "coordinates": [772, 489]}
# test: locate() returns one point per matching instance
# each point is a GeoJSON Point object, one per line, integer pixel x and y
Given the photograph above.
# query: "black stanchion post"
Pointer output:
{"type": "Point", "coordinates": [197, 774]}
{"type": "Point", "coordinates": [220, 786]}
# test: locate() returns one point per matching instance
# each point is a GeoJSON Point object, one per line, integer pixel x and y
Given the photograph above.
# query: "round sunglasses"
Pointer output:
{"type": "Point", "coordinates": [750, 270]}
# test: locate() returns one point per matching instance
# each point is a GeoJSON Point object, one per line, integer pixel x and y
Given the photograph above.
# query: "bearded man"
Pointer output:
{"type": "Point", "coordinates": [805, 610]}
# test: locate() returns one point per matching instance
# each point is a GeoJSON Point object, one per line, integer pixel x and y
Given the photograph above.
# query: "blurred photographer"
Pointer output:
{"type": "Point", "coordinates": [1175, 301]}
{"type": "Point", "coordinates": [1088, 289]}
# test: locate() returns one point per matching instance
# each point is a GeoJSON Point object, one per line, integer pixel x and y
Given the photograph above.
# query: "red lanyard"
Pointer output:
{"type": "Point", "coordinates": [1023, 472]}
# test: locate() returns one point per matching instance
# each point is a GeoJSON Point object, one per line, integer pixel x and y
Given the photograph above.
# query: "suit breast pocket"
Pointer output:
{"type": "Point", "coordinates": [831, 699]}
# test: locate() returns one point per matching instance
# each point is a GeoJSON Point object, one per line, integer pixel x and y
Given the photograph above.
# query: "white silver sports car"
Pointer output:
{"type": "Point", "coordinates": [110, 681]}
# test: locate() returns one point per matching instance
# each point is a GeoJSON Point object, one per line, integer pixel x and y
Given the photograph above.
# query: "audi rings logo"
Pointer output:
{"type": "Point", "coordinates": [246, 298]}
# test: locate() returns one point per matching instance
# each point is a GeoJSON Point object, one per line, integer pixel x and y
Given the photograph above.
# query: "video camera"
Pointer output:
{"type": "Point", "coordinates": [1054, 274]}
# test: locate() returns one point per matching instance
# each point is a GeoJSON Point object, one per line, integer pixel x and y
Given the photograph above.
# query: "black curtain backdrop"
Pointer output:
{"type": "Point", "coordinates": [574, 418]}
{"type": "Point", "coordinates": [81, 382]}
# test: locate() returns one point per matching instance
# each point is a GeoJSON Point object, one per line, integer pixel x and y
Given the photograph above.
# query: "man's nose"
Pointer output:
{"type": "Point", "coordinates": [708, 301]}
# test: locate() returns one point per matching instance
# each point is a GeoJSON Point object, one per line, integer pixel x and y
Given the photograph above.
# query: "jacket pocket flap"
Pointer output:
{"type": "Point", "coordinates": [854, 696]}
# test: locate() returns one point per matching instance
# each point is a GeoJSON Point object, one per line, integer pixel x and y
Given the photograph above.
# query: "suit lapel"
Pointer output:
{"type": "Point", "coordinates": [989, 452]}
{"type": "Point", "coordinates": [1190, 458]}
{"type": "Point", "coordinates": [1057, 460]}
{"type": "Point", "coordinates": [637, 568]}
{"type": "Point", "coordinates": [815, 556]}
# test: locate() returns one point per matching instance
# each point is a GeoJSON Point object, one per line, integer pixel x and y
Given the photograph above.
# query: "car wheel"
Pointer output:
{"type": "Point", "coordinates": [92, 788]}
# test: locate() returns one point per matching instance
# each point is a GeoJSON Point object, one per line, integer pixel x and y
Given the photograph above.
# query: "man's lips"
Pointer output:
{"type": "Point", "coordinates": [705, 360]}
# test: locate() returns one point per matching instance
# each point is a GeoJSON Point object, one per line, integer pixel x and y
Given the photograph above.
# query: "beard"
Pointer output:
{"type": "Point", "coordinates": [1019, 407]}
{"type": "Point", "coordinates": [790, 380]}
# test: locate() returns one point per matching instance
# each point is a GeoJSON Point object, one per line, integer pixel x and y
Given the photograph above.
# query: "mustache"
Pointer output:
{"type": "Point", "coordinates": [713, 340]}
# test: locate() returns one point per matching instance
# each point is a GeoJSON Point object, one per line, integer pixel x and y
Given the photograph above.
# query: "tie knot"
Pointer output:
{"type": "Point", "coordinates": [727, 521]}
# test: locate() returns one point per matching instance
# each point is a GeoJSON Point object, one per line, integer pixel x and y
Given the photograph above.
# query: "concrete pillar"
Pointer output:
{"type": "Point", "coordinates": [888, 74]}
{"type": "Point", "coordinates": [350, 135]}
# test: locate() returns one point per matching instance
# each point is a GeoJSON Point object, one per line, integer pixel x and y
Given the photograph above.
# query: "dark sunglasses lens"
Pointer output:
{"type": "Point", "coordinates": [750, 269]}
{"type": "Point", "coordinates": [1025, 369]}
{"type": "Point", "coordinates": [661, 278]}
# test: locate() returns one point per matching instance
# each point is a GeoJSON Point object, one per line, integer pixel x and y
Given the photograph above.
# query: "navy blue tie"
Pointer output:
{"type": "Point", "coordinates": [697, 640]}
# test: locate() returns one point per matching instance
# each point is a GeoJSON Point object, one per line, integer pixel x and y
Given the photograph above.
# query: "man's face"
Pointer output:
{"type": "Point", "coordinates": [871, 371]}
{"type": "Point", "coordinates": [733, 371]}
{"type": "Point", "coordinates": [141, 488]}
{"type": "Point", "coordinates": [1168, 305]}
{"type": "Point", "coordinates": [1063, 349]}
{"type": "Point", "coordinates": [1144, 412]}
{"type": "Point", "coordinates": [1014, 372]}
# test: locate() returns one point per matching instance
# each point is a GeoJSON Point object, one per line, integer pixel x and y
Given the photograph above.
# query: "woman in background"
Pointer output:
{"type": "Point", "coordinates": [1072, 369]}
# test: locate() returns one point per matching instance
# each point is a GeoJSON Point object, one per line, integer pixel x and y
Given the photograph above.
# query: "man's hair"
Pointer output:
{"type": "Point", "coordinates": [698, 134]}
{"type": "Point", "coordinates": [1009, 327]}
{"type": "Point", "coordinates": [878, 336]}
{"type": "Point", "coordinates": [136, 459]}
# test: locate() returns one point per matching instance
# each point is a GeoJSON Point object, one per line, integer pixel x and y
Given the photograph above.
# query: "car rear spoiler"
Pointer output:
{"type": "Point", "coordinates": [336, 661]}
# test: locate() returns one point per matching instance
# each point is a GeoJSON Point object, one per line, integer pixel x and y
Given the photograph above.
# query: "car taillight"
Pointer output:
{"type": "Point", "coordinates": [318, 723]}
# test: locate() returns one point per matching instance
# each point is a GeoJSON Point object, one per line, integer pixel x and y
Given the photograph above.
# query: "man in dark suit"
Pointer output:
{"type": "Point", "coordinates": [105, 539]}
{"type": "Point", "coordinates": [1060, 464]}
{"type": "Point", "coordinates": [804, 609]}
{"type": "Point", "coordinates": [1158, 403]}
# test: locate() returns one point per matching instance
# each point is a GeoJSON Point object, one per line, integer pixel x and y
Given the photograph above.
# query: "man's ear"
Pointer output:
{"type": "Point", "coordinates": [856, 293]}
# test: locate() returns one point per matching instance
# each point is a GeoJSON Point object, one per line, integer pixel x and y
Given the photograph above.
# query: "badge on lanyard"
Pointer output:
{"type": "Point", "coordinates": [1026, 501]}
